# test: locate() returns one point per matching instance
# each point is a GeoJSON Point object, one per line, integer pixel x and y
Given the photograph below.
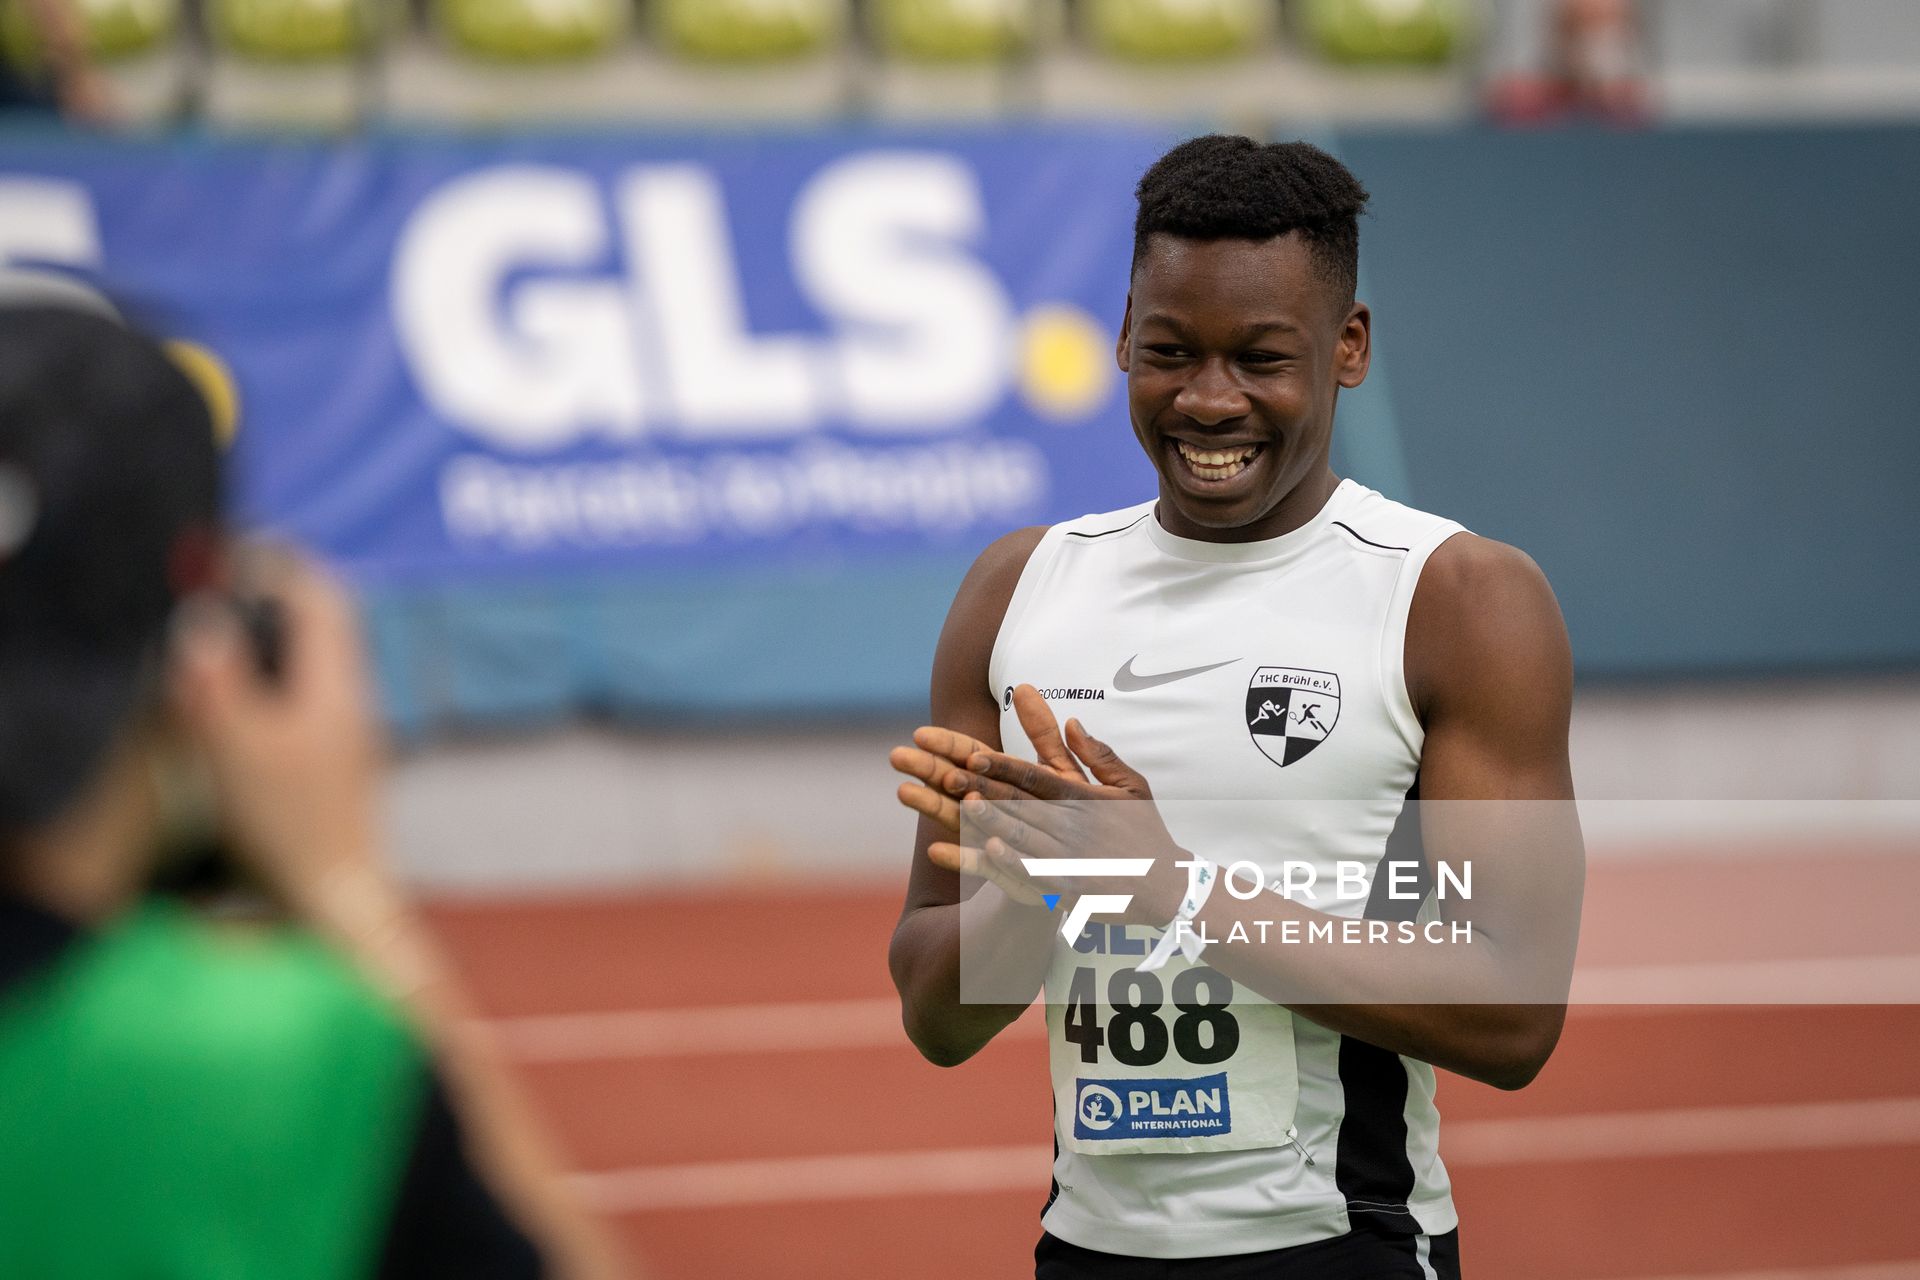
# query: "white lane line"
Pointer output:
{"type": "Point", "coordinates": [1615, 1135]}
{"type": "Point", "coordinates": [802, 1179]}
{"type": "Point", "coordinates": [1812, 1126]}
{"type": "Point", "coordinates": [870, 1023]}
{"type": "Point", "coordinates": [720, 1029]}
{"type": "Point", "coordinates": [1814, 980]}
{"type": "Point", "coordinates": [1909, 1270]}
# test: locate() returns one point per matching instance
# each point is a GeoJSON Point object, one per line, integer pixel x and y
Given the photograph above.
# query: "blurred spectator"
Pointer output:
{"type": "Point", "coordinates": [186, 1098]}
{"type": "Point", "coordinates": [48, 64]}
{"type": "Point", "coordinates": [1554, 57]}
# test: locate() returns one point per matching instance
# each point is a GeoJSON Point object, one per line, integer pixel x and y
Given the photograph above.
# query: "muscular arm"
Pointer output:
{"type": "Point", "coordinates": [1491, 677]}
{"type": "Point", "coordinates": [925, 952]}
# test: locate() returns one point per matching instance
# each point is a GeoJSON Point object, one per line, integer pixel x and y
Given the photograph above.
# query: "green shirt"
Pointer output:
{"type": "Point", "coordinates": [181, 1101]}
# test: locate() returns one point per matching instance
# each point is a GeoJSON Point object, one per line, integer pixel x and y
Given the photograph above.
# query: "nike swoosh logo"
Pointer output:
{"type": "Point", "coordinates": [1126, 681]}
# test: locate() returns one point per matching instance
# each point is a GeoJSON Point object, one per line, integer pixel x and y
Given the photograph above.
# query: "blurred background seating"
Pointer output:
{"type": "Point", "coordinates": [532, 30]}
{"type": "Point", "coordinates": [959, 31]}
{"type": "Point", "coordinates": [342, 63]}
{"type": "Point", "coordinates": [297, 30]}
{"type": "Point", "coordinates": [110, 30]}
{"type": "Point", "coordinates": [1388, 31]}
{"type": "Point", "coordinates": [1177, 30]}
{"type": "Point", "coordinates": [749, 30]}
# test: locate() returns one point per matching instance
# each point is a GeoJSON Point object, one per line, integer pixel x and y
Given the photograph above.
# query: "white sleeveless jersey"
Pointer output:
{"type": "Point", "coordinates": [1226, 673]}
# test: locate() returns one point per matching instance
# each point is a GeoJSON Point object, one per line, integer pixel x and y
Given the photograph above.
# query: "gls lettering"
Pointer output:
{"type": "Point", "coordinates": [515, 332]}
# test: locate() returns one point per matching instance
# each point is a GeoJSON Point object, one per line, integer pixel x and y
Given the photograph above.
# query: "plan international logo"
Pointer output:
{"type": "Point", "coordinates": [1152, 1108]}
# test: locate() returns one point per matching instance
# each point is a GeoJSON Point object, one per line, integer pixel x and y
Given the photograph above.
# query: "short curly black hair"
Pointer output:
{"type": "Point", "coordinates": [1223, 186]}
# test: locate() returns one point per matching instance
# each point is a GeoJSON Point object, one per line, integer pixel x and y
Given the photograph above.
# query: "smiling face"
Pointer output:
{"type": "Point", "coordinates": [1234, 352]}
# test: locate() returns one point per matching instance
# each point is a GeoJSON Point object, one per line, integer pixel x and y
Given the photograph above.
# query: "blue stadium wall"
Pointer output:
{"type": "Point", "coordinates": [1677, 367]}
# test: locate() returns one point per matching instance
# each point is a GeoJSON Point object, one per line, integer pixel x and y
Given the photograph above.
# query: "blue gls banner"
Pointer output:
{"type": "Point", "coordinates": [457, 358]}
{"type": "Point", "coordinates": [1152, 1108]}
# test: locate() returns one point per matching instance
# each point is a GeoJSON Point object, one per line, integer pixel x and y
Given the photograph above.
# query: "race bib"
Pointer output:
{"type": "Point", "coordinates": [1183, 1059]}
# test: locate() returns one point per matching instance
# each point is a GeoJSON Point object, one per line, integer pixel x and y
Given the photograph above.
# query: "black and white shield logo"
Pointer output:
{"type": "Point", "coordinates": [1291, 710]}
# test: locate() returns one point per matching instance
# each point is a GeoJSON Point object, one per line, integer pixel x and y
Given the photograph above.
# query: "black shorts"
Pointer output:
{"type": "Point", "coordinates": [1358, 1255]}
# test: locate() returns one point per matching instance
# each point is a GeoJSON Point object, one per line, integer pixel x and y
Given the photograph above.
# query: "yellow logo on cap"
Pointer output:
{"type": "Point", "coordinates": [210, 375]}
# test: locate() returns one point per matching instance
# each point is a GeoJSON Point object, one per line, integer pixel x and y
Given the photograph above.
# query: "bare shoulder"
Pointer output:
{"type": "Point", "coordinates": [973, 623]}
{"type": "Point", "coordinates": [996, 570]}
{"type": "Point", "coordinates": [1470, 574]}
{"type": "Point", "coordinates": [1484, 616]}
{"type": "Point", "coordinates": [981, 602]}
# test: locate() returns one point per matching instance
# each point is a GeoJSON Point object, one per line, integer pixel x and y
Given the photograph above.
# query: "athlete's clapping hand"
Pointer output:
{"type": "Point", "coordinates": [938, 763]}
{"type": "Point", "coordinates": [1013, 809]}
{"type": "Point", "coordinates": [938, 759]}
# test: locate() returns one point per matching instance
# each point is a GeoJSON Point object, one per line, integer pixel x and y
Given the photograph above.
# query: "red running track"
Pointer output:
{"type": "Point", "coordinates": [743, 1104]}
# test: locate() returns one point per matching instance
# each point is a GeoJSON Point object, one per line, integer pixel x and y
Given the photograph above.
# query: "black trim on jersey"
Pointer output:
{"type": "Point", "coordinates": [1104, 532]}
{"type": "Point", "coordinates": [31, 938]}
{"type": "Point", "coordinates": [1371, 1167]}
{"type": "Point", "coordinates": [446, 1224]}
{"type": "Point", "coordinates": [1369, 541]}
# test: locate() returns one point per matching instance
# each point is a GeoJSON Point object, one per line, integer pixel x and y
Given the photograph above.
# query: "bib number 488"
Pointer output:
{"type": "Point", "coordinates": [1203, 1032]}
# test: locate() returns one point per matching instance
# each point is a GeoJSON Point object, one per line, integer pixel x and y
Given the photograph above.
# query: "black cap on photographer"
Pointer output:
{"type": "Point", "coordinates": [109, 507]}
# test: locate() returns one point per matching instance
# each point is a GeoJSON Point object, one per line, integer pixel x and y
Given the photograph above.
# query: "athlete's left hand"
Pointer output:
{"type": "Point", "coordinates": [1016, 809]}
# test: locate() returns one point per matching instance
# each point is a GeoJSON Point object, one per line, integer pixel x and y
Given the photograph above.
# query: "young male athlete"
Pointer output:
{"type": "Point", "coordinates": [1291, 656]}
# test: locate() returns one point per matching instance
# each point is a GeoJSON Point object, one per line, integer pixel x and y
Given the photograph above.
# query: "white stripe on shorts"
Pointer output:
{"type": "Point", "coordinates": [1422, 1247]}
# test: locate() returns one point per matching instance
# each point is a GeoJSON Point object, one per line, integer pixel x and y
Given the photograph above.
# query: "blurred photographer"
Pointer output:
{"type": "Point", "coordinates": [180, 1097]}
